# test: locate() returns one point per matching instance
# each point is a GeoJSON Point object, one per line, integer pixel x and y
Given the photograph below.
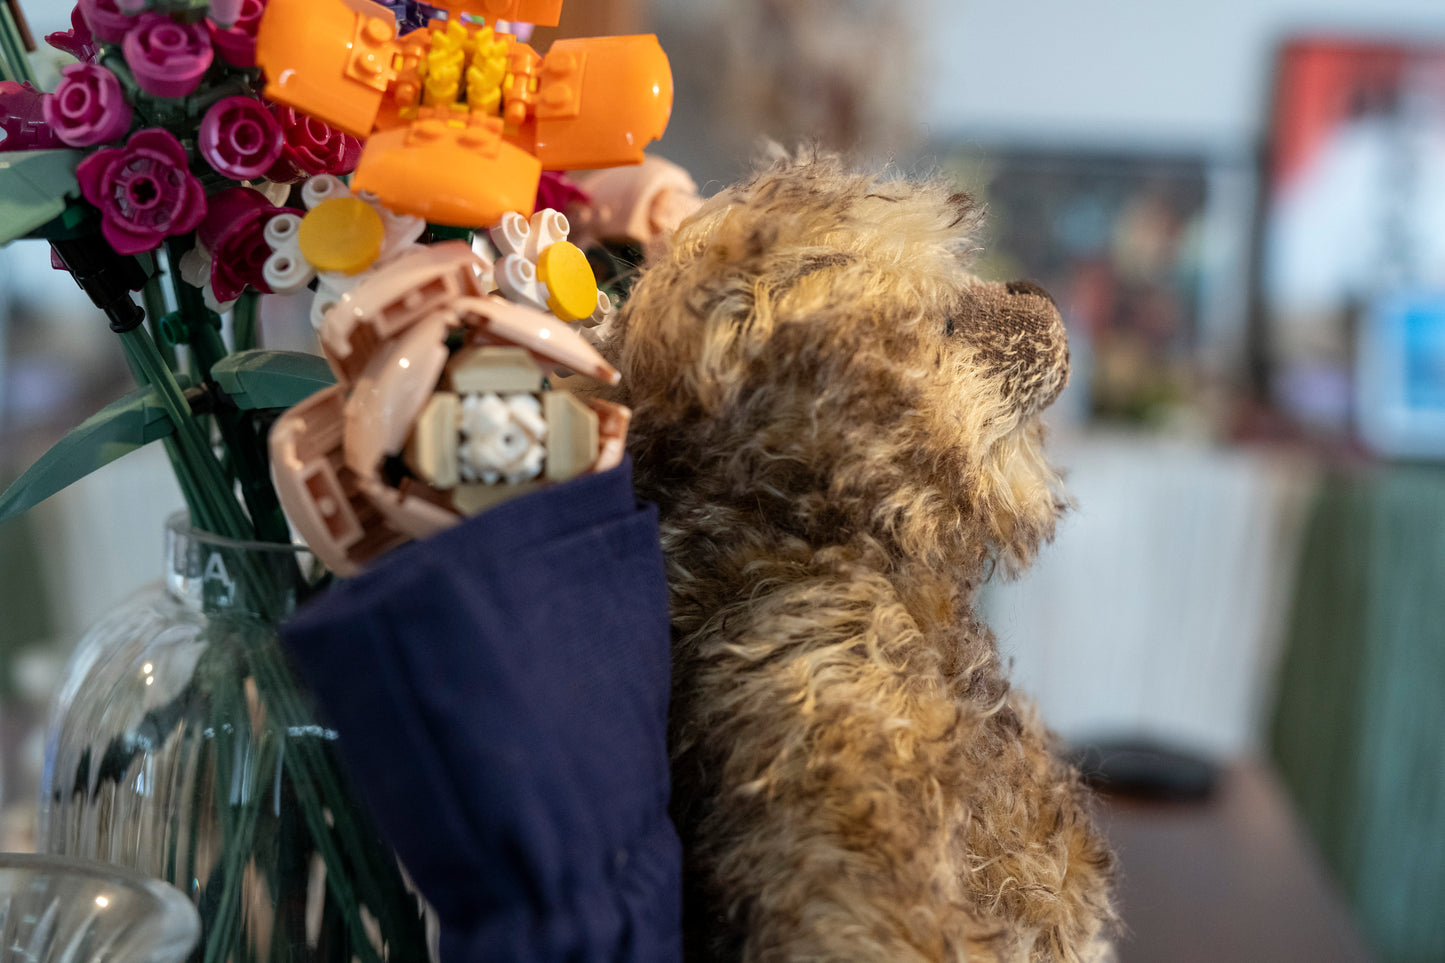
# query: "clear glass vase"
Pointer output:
{"type": "Point", "coordinates": [57, 909]}
{"type": "Point", "coordinates": [181, 745]}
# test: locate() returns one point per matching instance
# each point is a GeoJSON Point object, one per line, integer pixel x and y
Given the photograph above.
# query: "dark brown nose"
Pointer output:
{"type": "Point", "coordinates": [1029, 287]}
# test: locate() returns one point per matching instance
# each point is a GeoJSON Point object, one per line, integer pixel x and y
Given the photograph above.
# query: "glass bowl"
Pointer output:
{"type": "Point", "coordinates": [61, 910]}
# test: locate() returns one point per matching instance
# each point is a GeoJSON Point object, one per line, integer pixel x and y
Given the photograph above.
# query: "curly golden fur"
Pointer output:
{"type": "Point", "coordinates": [839, 425]}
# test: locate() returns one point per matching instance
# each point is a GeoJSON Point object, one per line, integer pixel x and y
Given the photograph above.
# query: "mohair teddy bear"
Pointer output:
{"type": "Point", "coordinates": [840, 427]}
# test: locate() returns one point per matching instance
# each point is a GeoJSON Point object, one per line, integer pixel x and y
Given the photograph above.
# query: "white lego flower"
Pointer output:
{"type": "Point", "coordinates": [503, 438]}
{"type": "Point", "coordinates": [288, 269]}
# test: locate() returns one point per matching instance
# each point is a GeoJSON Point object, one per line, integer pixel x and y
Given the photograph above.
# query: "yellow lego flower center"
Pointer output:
{"type": "Point", "coordinates": [343, 234]}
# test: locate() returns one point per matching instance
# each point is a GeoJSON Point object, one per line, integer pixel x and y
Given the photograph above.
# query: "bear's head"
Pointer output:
{"type": "Point", "coordinates": [811, 353]}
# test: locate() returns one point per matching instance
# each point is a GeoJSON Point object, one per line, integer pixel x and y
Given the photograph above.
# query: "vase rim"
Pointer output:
{"type": "Point", "coordinates": [144, 913]}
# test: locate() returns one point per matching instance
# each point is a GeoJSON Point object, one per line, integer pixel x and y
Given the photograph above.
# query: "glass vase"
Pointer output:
{"type": "Point", "coordinates": [182, 746]}
{"type": "Point", "coordinates": [56, 909]}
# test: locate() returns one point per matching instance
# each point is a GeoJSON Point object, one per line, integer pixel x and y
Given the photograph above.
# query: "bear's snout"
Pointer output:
{"type": "Point", "coordinates": [1029, 287]}
{"type": "Point", "coordinates": [1018, 333]}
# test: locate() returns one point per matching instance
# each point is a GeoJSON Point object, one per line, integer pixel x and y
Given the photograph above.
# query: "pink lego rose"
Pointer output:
{"type": "Point", "coordinates": [312, 147]}
{"type": "Point", "coordinates": [240, 138]}
{"type": "Point", "coordinates": [105, 20]}
{"type": "Point", "coordinates": [167, 58]}
{"type": "Point", "coordinates": [234, 233]}
{"type": "Point", "coordinates": [144, 190]}
{"type": "Point", "coordinates": [236, 43]}
{"type": "Point", "coordinates": [88, 107]}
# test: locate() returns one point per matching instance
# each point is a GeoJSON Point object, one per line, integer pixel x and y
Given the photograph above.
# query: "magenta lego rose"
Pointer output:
{"type": "Point", "coordinates": [312, 147]}
{"type": "Point", "coordinates": [236, 43]}
{"type": "Point", "coordinates": [106, 21]}
{"type": "Point", "coordinates": [167, 58]}
{"type": "Point", "coordinates": [240, 138]}
{"type": "Point", "coordinates": [88, 106]}
{"type": "Point", "coordinates": [144, 191]}
{"type": "Point", "coordinates": [233, 231]}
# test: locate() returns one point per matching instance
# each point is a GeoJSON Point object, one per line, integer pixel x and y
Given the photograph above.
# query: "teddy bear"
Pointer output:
{"type": "Point", "coordinates": [840, 427]}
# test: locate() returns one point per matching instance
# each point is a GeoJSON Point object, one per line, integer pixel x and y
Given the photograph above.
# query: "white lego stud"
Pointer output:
{"type": "Point", "coordinates": [601, 313]}
{"type": "Point", "coordinates": [286, 271]}
{"type": "Point", "coordinates": [510, 234]}
{"type": "Point", "coordinates": [516, 277]}
{"type": "Point", "coordinates": [514, 234]}
{"type": "Point", "coordinates": [282, 230]}
{"type": "Point", "coordinates": [322, 187]}
{"type": "Point", "coordinates": [330, 287]}
{"type": "Point", "coordinates": [547, 228]}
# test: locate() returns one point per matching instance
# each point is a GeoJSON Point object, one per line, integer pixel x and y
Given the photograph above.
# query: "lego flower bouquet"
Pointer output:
{"type": "Point", "coordinates": [384, 162]}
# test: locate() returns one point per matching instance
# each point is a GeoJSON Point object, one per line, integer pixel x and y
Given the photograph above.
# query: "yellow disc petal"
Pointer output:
{"type": "Point", "coordinates": [571, 285]}
{"type": "Point", "coordinates": [342, 234]}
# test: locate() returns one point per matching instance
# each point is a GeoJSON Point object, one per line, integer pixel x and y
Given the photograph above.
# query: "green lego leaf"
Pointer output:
{"type": "Point", "coordinates": [34, 187]}
{"type": "Point", "coordinates": [271, 379]}
{"type": "Point", "coordinates": [119, 428]}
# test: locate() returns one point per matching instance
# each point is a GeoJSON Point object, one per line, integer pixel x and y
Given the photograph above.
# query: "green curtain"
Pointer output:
{"type": "Point", "coordinates": [1359, 727]}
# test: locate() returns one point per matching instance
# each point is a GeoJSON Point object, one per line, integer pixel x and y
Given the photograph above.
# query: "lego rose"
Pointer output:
{"type": "Point", "coordinates": [240, 138]}
{"type": "Point", "coordinates": [236, 43]}
{"type": "Point", "coordinates": [144, 191]}
{"type": "Point", "coordinates": [167, 58]}
{"type": "Point", "coordinates": [106, 21]}
{"type": "Point", "coordinates": [312, 147]}
{"type": "Point", "coordinates": [233, 231]}
{"type": "Point", "coordinates": [88, 106]}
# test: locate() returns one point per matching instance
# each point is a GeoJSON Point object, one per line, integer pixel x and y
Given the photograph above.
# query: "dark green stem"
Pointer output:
{"type": "Point", "coordinates": [243, 441]}
{"type": "Point", "coordinates": [153, 297]}
{"type": "Point", "coordinates": [243, 321]}
{"type": "Point", "coordinates": [216, 510]}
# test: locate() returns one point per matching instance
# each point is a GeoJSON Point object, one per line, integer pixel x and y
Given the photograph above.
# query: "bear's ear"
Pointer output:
{"type": "Point", "coordinates": [678, 340]}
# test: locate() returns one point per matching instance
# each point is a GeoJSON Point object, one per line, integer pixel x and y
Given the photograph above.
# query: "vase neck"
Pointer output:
{"type": "Point", "coordinates": [224, 577]}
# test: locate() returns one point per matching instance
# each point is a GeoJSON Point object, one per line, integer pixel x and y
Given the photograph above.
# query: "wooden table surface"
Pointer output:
{"type": "Point", "coordinates": [1230, 880]}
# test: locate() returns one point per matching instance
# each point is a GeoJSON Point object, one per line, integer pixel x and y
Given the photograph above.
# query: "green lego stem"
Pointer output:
{"type": "Point", "coordinates": [242, 440]}
{"type": "Point", "coordinates": [153, 298]}
{"type": "Point", "coordinates": [243, 321]}
{"type": "Point", "coordinates": [214, 509]}
{"type": "Point", "coordinates": [14, 61]}
{"type": "Point", "coordinates": [185, 476]}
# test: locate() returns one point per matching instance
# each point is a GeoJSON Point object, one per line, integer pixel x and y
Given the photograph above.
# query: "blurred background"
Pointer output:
{"type": "Point", "coordinates": [1240, 207]}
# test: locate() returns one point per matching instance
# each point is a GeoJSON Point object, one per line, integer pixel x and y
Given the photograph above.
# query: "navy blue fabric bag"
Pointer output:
{"type": "Point", "coordinates": [501, 693]}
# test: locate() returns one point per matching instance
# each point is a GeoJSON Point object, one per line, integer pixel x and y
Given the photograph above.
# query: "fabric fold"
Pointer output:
{"type": "Point", "coordinates": [501, 691]}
